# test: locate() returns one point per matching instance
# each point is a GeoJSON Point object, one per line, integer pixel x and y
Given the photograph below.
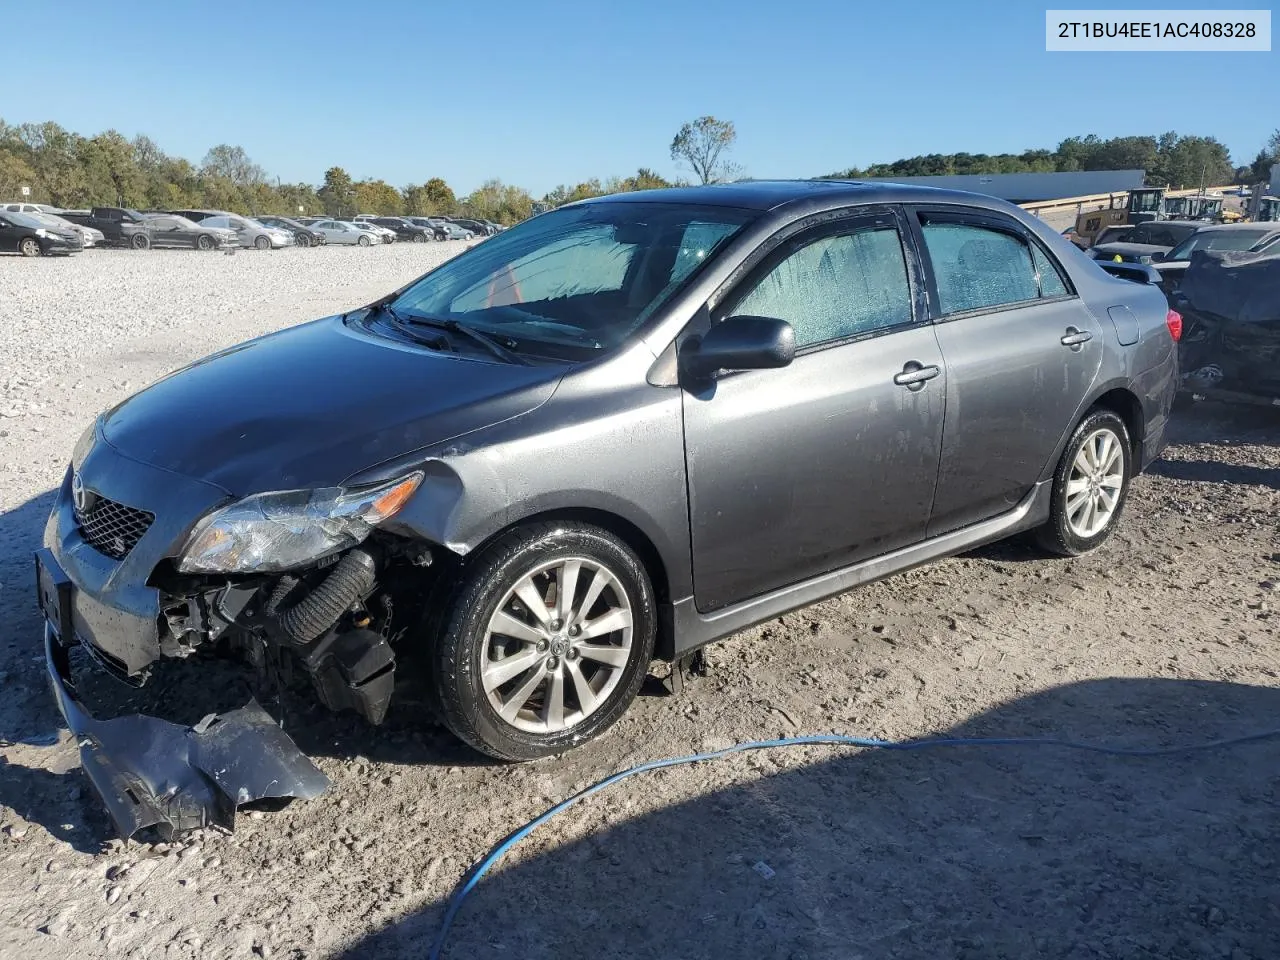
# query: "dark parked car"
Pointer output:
{"type": "Point", "coordinates": [619, 430]}
{"type": "Point", "coordinates": [22, 233]}
{"type": "Point", "coordinates": [1243, 237]}
{"type": "Point", "coordinates": [477, 227]}
{"type": "Point", "coordinates": [438, 230]}
{"type": "Point", "coordinates": [405, 230]}
{"type": "Point", "coordinates": [171, 230]}
{"type": "Point", "coordinates": [1146, 242]}
{"type": "Point", "coordinates": [303, 235]}
{"type": "Point", "coordinates": [120, 226]}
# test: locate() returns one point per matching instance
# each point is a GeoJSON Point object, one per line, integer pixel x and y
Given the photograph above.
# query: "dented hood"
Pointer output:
{"type": "Point", "coordinates": [312, 404]}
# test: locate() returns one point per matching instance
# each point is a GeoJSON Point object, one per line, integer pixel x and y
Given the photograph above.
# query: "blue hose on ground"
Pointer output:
{"type": "Point", "coordinates": [469, 882]}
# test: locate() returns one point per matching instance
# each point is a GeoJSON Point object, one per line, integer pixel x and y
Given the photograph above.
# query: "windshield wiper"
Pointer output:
{"type": "Point", "coordinates": [492, 344]}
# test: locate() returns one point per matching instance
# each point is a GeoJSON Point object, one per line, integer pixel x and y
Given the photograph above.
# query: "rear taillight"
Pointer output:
{"type": "Point", "coordinates": [1173, 319]}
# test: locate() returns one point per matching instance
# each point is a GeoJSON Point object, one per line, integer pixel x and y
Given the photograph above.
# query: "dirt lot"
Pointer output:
{"type": "Point", "coordinates": [1167, 635]}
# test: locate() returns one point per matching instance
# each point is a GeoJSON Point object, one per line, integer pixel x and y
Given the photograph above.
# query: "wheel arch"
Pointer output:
{"type": "Point", "coordinates": [1124, 404]}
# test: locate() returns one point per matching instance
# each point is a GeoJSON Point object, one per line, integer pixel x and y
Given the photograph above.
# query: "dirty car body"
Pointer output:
{"type": "Point", "coordinates": [615, 432]}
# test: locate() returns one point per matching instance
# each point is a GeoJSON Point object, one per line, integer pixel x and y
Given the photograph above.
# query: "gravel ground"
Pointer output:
{"type": "Point", "coordinates": [1166, 635]}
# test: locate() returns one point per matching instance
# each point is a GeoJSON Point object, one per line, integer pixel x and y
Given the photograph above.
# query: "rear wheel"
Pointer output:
{"type": "Point", "coordinates": [140, 241]}
{"type": "Point", "coordinates": [29, 247]}
{"type": "Point", "coordinates": [1090, 486]}
{"type": "Point", "coordinates": [204, 242]}
{"type": "Point", "coordinates": [262, 243]}
{"type": "Point", "coordinates": [545, 642]}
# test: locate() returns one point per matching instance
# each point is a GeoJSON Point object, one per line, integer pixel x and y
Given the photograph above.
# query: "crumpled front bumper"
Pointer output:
{"type": "Point", "coordinates": [153, 773]}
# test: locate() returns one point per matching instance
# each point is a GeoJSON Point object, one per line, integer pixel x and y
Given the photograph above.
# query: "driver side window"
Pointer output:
{"type": "Point", "coordinates": [836, 287]}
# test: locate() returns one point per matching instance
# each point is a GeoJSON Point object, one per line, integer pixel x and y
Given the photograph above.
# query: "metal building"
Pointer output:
{"type": "Point", "coordinates": [1032, 187]}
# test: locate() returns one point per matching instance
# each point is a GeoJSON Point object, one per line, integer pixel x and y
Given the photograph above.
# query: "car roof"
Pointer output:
{"type": "Point", "coordinates": [1261, 229]}
{"type": "Point", "coordinates": [768, 194]}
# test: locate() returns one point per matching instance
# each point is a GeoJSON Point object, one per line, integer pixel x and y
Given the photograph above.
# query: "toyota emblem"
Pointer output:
{"type": "Point", "coordinates": [78, 495]}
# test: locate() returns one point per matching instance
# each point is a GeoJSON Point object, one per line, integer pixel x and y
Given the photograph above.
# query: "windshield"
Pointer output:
{"type": "Point", "coordinates": [23, 220]}
{"type": "Point", "coordinates": [1216, 240]}
{"type": "Point", "coordinates": [581, 276]}
{"type": "Point", "coordinates": [1144, 201]}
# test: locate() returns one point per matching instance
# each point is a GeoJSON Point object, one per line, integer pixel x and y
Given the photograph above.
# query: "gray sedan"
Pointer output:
{"type": "Point", "coordinates": [618, 431]}
{"type": "Point", "coordinates": [251, 232]}
{"type": "Point", "coordinates": [344, 231]}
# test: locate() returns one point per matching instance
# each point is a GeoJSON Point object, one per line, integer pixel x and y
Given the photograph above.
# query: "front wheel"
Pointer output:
{"type": "Point", "coordinates": [363, 241]}
{"type": "Point", "coordinates": [545, 642]}
{"type": "Point", "coordinates": [1090, 486]}
{"type": "Point", "coordinates": [29, 247]}
{"type": "Point", "coordinates": [204, 242]}
{"type": "Point", "coordinates": [262, 243]}
{"type": "Point", "coordinates": [419, 238]}
{"type": "Point", "coordinates": [302, 239]}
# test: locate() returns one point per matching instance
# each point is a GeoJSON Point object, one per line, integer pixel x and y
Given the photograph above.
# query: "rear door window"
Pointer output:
{"type": "Point", "coordinates": [978, 267]}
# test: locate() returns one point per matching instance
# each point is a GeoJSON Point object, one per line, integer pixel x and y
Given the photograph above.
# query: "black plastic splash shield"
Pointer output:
{"type": "Point", "coordinates": [153, 773]}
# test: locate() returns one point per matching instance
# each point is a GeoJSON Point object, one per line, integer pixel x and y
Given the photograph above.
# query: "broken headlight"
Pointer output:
{"type": "Point", "coordinates": [274, 532]}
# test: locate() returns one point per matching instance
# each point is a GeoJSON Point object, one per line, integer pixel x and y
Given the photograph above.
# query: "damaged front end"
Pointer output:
{"type": "Point", "coordinates": [153, 773]}
{"type": "Point", "coordinates": [300, 584]}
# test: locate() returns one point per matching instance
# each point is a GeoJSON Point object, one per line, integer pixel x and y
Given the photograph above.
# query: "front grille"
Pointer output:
{"type": "Point", "coordinates": [112, 528]}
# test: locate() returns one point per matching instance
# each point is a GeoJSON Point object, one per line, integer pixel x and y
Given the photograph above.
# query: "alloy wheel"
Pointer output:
{"type": "Point", "coordinates": [557, 645]}
{"type": "Point", "coordinates": [1094, 484]}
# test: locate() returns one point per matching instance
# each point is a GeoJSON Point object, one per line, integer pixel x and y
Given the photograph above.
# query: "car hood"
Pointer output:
{"type": "Point", "coordinates": [310, 405]}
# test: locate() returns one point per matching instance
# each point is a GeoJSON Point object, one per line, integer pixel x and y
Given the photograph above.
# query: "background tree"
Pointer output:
{"type": "Point", "coordinates": [53, 153]}
{"type": "Point", "coordinates": [338, 194]}
{"type": "Point", "coordinates": [378, 196]}
{"type": "Point", "coordinates": [15, 173]}
{"type": "Point", "coordinates": [111, 170]}
{"type": "Point", "coordinates": [702, 144]}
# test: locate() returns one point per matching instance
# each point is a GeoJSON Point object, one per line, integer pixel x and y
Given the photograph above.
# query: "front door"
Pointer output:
{"type": "Point", "coordinates": [800, 470]}
{"type": "Point", "coordinates": [1022, 352]}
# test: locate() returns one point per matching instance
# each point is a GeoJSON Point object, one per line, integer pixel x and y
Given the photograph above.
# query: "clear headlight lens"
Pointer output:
{"type": "Point", "coordinates": [42, 233]}
{"type": "Point", "coordinates": [274, 532]}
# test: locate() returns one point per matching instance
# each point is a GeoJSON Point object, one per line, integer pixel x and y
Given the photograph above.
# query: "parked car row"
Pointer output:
{"type": "Point", "coordinates": [39, 229]}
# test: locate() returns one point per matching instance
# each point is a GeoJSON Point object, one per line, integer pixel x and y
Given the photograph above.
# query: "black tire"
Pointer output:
{"type": "Point", "coordinates": [419, 238]}
{"type": "Point", "coordinates": [140, 241]}
{"type": "Point", "coordinates": [261, 243]}
{"type": "Point", "coordinates": [204, 242]}
{"type": "Point", "coordinates": [1060, 536]}
{"type": "Point", "coordinates": [29, 247]}
{"type": "Point", "coordinates": [460, 649]}
{"type": "Point", "coordinates": [363, 240]}
{"type": "Point", "coordinates": [302, 239]}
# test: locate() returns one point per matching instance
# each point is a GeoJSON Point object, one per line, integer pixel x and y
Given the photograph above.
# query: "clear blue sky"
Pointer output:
{"type": "Point", "coordinates": [540, 93]}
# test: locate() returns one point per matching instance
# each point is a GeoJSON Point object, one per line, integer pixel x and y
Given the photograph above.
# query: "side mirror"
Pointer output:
{"type": "Point", "coordinates": [1157, 257]}
{"type": "Point", "coordinates": [740, 343]}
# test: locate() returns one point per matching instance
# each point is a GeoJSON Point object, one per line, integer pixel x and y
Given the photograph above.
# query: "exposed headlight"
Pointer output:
{"type": "Point", "coordinates": [42, 233]}
{"type": "Point", "coordinates": [274, 532]}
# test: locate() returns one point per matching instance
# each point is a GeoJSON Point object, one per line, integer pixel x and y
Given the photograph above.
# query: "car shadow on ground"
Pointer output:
{"type": "Point", "coordinates": [1212, 471]}
{"type": "Point", "coordinates": [971, 852]}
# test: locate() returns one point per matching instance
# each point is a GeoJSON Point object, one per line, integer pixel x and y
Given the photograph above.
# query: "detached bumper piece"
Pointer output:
{"type": "Point", "coordinates": [153, 773]}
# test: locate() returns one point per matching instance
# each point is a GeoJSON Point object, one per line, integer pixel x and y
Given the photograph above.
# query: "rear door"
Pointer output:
{"type": "Point", "coordinates": [796, 471]}
{"type": "Point", "coordinates": [1021, 351]}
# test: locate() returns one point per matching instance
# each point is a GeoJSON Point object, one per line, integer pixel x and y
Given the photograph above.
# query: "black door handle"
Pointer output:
{"type": "Point", "coordinates": [1073, 338]}
{"type": "Point", "coordinates": [914, 375]}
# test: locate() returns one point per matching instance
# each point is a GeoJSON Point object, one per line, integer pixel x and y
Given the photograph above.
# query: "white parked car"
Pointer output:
{"type": "Point", "coordinates": [50, 215]}
{"type": "Point", "coordinates": [385, 234]}
{"type": "Point", "coordinates": [344, 231]}
{"type": "Point", "coordinates": [251, 232]}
